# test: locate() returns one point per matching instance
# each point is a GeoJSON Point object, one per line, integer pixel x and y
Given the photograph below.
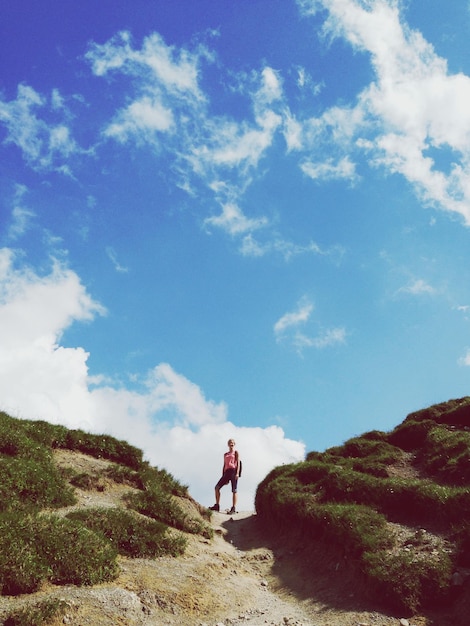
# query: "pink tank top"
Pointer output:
{"type": "Point", "coordinates": [230, 460]}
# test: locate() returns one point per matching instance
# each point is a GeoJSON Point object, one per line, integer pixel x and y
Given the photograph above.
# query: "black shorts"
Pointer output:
{"type": "Point", "coordinates": [229, 476]}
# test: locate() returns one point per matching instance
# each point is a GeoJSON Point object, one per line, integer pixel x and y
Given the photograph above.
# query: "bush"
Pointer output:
{"type": "Point", "coordinates": [22, 568]}
{"type": "Point", "coordinates": [104, 446]}
{"type": "Point", "coordinates": [409, 581]}
{"type": "Point", "coordinates": [48, 435]}
{"type": "Point", "coordinates": [75, 555]}
{"type": "Point", "coordinates": [160, 506]}
{"type": "Point", "coordinates": [446, 455]}
{"type": "Point", "coordinates": [29, 483]}
{"type": "Point", "coordinates": [132, 536]}
{"type": "Point", "coordinates": [411, 434]}
{"type": "Point", "coordinates": [153, 476]}
{"type": "Point", "coordinates": [35, 548]}
{"type": "Point", "coordinates": [361, 447]}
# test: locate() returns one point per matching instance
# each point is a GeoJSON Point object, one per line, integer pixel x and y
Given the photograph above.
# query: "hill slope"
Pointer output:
{"type": "Point", "coordinates": [366, 533]}
{"type": "Point", "coordinates": [392, 506]}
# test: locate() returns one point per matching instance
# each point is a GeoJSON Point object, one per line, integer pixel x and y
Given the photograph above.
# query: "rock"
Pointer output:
{"type": "Point", "coordinates": [404, 622]}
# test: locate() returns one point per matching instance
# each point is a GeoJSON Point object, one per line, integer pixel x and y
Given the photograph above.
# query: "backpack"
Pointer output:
{"type": "Point", "coordinates": [239, 464]}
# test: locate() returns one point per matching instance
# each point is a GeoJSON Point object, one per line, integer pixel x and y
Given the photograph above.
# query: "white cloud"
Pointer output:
{"type": "Point", "coordinates": [327, 337]}
{"type": "Point", "coordinates": [170, 418]}
{"type": "Point", "coordinates": [328, 170]}
{"type": "Point", "coordinates": [166, 98]}
{"type": "Point", "coordinates": [165, 82]}
{"type": "Point", "coordinates": [417, 287]}
{"type": "Point", "coordinates": [45, 145]}
{"type": "Point", "coordinates": [413, 106]}
{"type": "Point", "coordinates": [234, 222]}
{"type": "Point", "coordinates": [138, 119]}
{"type": "Point", "coordinates": [465, 360]}
{"type": "Point", "coordinates": [21, 215]}
{"type": "Point", "coordinates": [292, 132]}
{"type": "Point", "coordinates": [294, 318]}
{"type": "Point", "coordinates": [274, 244]}
{"type": "Point", "coordinates": [270, 89]}
{"type": "Point", "coordinates": [111, 252]}
{"type": "Point", "coordinates": [287, 329]}
{"type": "Point", "coordinates": [38, 377]}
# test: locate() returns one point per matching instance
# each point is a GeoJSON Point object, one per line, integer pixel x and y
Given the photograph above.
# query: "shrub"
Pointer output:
{"type": "Point", "coordinates": [125, 476]}
{"type": "Point", "coordinates": [49, 435]}
{"type": "Point", "coordinates": [458, 414]}
{"type": "Point", "coordinates": [35, 548]}
{"type": "Point", "coordinates": [361, 447]}
{"type": "Point", "coordinates": [435, 412]}
{"type": "Point", "coordinates": [132, 536]}
{"type": "Point", "coordinates": [159, 505]}
{"type": "Point", "coordinates": [104, 446]}
{"type": "Point", "coordinates": [408, 581]}
{"type": "Point", "coordinates": [29, 483]}
{"type": "Point", "coordinates": [446, 454]}
{"type": "Point", "coordinates": [411, 434]}
{"type": "Point", "coordinates": [153, 476]}
{"type": "Point", "coordinates": [22, 568]}
{"type": "Point", "coordinates": [74, 554]}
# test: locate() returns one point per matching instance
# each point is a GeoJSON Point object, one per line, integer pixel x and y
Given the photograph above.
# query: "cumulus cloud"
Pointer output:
{"type": "Point", "coordinates": [169, 416]}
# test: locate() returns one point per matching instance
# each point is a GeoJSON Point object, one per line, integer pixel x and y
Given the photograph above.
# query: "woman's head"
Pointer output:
{"type": "Point", "coordinates": [231, 443]}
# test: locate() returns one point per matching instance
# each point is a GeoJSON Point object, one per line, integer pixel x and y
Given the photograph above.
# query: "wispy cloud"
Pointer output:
{"type": "Point", "coordinates": [289, 329]}
{"type": "Point", "coordinates": [234, 222]}
{"type": "Point", "coordinates": [417, 287]}
{"type": "Point", "coordinates": [112, 255]}
{"type": "Point", "coordinates": [275, 244]}
{"type": "Point", "coordinates": [294, 318]}
{"type": "Point", "coordinates": [46, 145]}
{"type": "Point", "coordinates": [22, 216]}
{"type": "Point", "coordinates": [344, 169]}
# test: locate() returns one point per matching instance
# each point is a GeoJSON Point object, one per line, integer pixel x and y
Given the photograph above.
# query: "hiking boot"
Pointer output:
{"type": "Point", "coordinates": [216, 507]}
{"type": "Point", "coordinates": [232, 510]}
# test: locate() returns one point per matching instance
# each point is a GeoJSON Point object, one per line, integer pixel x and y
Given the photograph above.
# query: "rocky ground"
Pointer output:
{"type": "Point", "coordinates": [235, 579]}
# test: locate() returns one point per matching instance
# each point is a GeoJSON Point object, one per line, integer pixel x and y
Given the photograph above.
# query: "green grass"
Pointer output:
{"type": "Point", "coordinates": [346, 496]}
{"type": "Point", "coordinates": [36, 548]}
{"type": "Point", "coordinates": [160, 506]}
{"type": "Point", "coordinates": [82, 548]}
{"type": "Point", "coordinates": [131, 535]}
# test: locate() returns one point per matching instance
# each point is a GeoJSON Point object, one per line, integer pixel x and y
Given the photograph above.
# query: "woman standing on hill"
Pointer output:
{"type": "Point", "coordinates": [230, 473]}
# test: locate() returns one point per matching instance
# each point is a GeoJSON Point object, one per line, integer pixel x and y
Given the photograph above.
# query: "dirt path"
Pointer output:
{"type": "Point", "coordinates": [281, 583]}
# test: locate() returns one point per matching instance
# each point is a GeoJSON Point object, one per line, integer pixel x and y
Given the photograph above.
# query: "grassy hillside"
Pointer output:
{"type": "Point", "coordinates": [47, 539]}
{"type": "Point", "coordinates": [395, 505]}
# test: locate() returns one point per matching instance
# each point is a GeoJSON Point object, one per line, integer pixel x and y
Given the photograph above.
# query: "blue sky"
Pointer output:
{"type": "Point", "coordinates": [226, 218]}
